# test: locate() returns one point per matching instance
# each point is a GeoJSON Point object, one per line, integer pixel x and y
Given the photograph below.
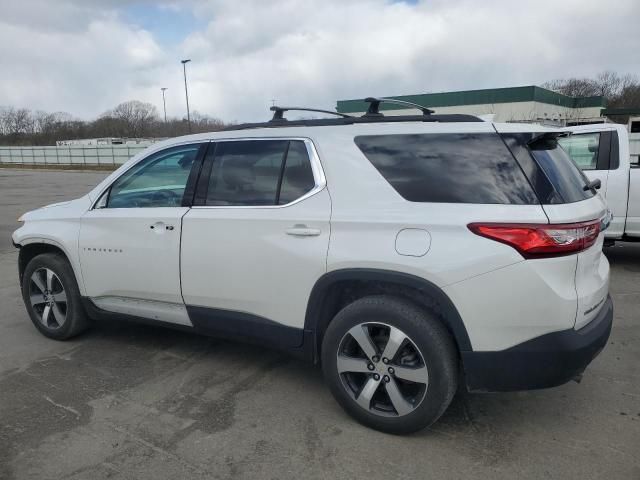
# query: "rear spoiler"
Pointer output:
{"type": "Point", "coordinates": [546, 140]}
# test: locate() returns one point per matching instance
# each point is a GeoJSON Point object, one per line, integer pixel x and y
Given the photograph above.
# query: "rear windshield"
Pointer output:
{"type": "Point", "coordinates": [449, 168]}
{"type": "Point", "coordinates": [567, 179]}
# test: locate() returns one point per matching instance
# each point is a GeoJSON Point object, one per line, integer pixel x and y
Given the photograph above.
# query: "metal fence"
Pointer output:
{"type": "Point", "coordinates": [70, 155]}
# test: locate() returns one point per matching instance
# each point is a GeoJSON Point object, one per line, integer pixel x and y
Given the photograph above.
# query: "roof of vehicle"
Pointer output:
{"type": "Point", "coordinates": [387, 125]}
{"type": "Point", "coordinates": [597, 127]}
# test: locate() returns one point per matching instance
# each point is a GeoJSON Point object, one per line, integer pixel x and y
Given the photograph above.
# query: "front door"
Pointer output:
{"type": "Point", "coordinates": [130, 241]}
{"type": "Point", "coordinates": [256, 240]}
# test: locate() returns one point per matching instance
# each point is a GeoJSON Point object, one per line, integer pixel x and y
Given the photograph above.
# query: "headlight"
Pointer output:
{"type": "Point", "coordinates": [21, 218]}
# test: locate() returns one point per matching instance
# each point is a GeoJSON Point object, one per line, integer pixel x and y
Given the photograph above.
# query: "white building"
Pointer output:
{"type": "Point", "coordinates": [514, 104]}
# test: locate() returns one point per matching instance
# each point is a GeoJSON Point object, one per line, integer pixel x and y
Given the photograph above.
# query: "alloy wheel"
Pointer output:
{"type": "Point", "coordinates": [48, 298]}
{"type": "Point", "coordinates": [382, 369]}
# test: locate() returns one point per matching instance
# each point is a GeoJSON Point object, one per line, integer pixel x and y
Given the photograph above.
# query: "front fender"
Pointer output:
{"type": "Point", "coordinates": [58, 226]}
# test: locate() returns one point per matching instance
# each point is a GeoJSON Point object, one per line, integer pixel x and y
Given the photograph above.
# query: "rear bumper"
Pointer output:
{"type": "Point", "coordinates": [545, 361]}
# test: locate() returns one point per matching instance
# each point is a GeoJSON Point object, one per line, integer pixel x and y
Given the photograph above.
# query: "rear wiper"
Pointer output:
{"type": "Point", "coordinates": [593, 185]}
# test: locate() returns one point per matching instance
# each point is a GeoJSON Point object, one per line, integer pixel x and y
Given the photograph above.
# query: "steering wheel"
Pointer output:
{"type": "Point", "coordinates": [167, 197]}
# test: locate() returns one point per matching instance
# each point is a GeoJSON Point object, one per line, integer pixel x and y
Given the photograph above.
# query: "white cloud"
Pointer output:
{"type": "Point", "coordinates": [303, 52]}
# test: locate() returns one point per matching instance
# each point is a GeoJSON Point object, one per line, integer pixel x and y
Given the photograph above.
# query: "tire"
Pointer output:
{"type": "Point", "coordinates": [421, 377]}
{"type": "Point", "coordinates": [56, 292]}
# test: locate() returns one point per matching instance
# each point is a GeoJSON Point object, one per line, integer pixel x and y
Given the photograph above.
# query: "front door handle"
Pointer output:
{"type": "Point", "coordinates": [159, 227]}
{"type": "Point", "coordinates": [302, 231]}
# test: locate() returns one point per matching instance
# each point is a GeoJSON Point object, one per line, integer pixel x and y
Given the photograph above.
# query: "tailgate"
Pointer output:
{"type": "Point", "coordinates": [592, 269]}
{"type": "Point", "coordinates": [567, 197]}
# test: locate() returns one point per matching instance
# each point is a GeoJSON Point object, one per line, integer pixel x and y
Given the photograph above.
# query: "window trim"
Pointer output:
{"type": "Point", "coordinates": [316, 167]}
{"type": "Point", "coordinates": [603, 162]}
{"type": "Point", "coordinates": [202, 149]}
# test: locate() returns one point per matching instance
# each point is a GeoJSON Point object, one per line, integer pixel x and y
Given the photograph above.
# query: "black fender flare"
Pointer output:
{"type": "Point", "coordinates": [449, 313]}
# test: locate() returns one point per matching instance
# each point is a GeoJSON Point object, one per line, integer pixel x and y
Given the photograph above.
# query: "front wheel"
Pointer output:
{"type": "Point", "coordinates": [52, 298]}
{"type": "Point", "coordinates": [390, 364]}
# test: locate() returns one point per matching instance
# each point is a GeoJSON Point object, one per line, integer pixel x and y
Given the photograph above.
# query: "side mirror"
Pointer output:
{"type": "Point", "coordinates": [595, 184]}
{"type": "Point", "coordinates": [102, 202]}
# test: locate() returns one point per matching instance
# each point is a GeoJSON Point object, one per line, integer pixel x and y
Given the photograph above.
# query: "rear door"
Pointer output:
{"type": "Point", "coordinates": [256, 240]}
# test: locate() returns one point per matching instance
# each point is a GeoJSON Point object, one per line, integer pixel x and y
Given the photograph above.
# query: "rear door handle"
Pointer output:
{"type": "Point", "coordinates": [302, 231]}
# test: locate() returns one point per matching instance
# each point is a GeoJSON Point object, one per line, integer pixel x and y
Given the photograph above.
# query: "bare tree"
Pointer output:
{"type": "Point", "coordinates": [134, 117]}
{"type": "Point", "coordinates": [573, 87]}
{"type": "Point", "coordinates": [620, 91]}
{"type": "Point", "coordinates": [129, 119]}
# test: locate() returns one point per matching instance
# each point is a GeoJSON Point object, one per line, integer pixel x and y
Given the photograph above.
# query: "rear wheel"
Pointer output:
{"type": "Point", "coordinates": [52, 298]}
{"type": "Point", "coordinates": [390, 364]}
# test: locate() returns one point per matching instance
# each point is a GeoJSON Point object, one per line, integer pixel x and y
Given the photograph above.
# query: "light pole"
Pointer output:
{"type": "Point", "coordinates": [186, 92]}
{"type": "Point", "coordinates": [164, 103]}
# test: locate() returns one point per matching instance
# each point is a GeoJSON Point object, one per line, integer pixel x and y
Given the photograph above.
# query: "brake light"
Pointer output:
{"type": "Point", "coordinates": [541, 240]}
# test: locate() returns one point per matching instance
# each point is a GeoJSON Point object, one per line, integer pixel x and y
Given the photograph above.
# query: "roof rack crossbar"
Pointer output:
{"type": "Point", "coordinates": [278, 112]}
{"type": "Point", "coordinates": [374, 106]}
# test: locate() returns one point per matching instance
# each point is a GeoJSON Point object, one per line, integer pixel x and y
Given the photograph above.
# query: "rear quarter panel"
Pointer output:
{"type": "Point", "coordinates": [368, 214]}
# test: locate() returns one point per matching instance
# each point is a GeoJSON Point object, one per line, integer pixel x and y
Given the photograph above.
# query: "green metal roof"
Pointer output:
{"type": "Point", "coordinates": [621, 111]}
{"type": "Point", "coordinates": [479, 97]}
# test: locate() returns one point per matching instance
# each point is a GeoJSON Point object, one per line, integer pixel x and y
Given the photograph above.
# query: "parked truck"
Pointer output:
{"type": "Point", "coordinates": [603, 153]}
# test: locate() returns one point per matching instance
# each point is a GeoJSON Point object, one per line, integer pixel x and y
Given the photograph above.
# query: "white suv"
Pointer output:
{"type": "Point", "coordinates": [405, 254]}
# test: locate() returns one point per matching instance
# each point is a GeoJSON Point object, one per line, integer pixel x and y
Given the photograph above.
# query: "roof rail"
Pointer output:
{"type": "Point", "coordinates": [279, 111]}
{"type": "Point", "coordinates": [374, 106]}
{"type": "Point", "coordinates": [327, 122]}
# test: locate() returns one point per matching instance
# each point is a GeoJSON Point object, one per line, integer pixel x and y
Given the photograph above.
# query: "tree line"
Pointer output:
{"type": "Point", "coordinates": [620, 91]}
{"type": "Point", "coordinates": [132, 119]}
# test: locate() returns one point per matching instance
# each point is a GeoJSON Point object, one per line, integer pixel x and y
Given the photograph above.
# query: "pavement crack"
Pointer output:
{"type": "Point", "coordinates": [64, 407]}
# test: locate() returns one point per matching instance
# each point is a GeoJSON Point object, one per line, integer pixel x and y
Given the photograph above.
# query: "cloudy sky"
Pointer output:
{"type": "Point", "coordinates": [86, 56]}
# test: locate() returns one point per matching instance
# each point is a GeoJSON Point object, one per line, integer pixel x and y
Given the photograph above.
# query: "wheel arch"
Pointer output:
{"type": "Point", "coordinates": [32, 247]}
{"type": "Point", "coordinates": [336, 289]}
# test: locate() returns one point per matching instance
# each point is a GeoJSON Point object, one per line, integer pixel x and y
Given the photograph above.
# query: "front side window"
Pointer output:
{"type": "Point", "coordinates": [259, 172]}
{"type": "Point", "coordinates": [449, 168]}
{"type": "Point", "coordinates": [583, 149]}
{"type": "Point", "coordinates": [158, 181]}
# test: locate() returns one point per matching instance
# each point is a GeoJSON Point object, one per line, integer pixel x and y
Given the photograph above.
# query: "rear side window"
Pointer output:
{"type": "Point", "coordinates": [297, 178]}
{"type": "Point", "coordinates": [258, 172]}
{"type": "Point", "coordinates": [567, 179]}
{"type": "Point", "coordinates": [449, 168]}
{"type": "Point", "coordinates": [246, 173]}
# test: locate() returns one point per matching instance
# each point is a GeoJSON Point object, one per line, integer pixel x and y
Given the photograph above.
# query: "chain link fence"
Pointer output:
{"type": "Point", "coordinates": [75, 155]}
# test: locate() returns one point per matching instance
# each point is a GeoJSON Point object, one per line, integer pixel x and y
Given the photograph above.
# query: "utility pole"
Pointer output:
{"type": "Point", "coordinates": [164, 104]}
{"type": "Point", "coordinates": [186, 92]}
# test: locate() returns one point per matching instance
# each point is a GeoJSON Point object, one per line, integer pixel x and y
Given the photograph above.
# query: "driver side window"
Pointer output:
{"type": "Point", "coordinates": [157, 181]}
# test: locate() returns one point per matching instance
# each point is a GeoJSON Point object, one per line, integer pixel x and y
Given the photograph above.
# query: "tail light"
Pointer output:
{"type": "Point", "coordinates": [541, 240]}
